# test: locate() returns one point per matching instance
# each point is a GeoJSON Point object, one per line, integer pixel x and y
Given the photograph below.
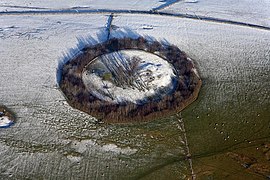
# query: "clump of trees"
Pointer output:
{"type": "Point", "coordinates": [123, 69]}
{"type": "Point", "coordinates": [80, 97]}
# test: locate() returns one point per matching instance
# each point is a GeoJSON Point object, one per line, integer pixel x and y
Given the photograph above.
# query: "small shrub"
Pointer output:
{"type": "Point", "coordinates": [107, 76]}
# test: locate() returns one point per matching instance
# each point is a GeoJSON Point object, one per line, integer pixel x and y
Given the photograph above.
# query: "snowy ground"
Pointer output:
{"type": "Point", "coordinates": [152, 74]}
{"type": "Point", "coordinates": [38, 5]}
{"type": "Point", "coordinates": [248, 11]}
{"type": "Point", "coordinates": [51, 140]}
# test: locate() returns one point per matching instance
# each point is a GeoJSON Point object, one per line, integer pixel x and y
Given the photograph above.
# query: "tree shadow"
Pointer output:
{"type": "Point", "coordinates": [166, 4]}
{"type": "Point", "coordinates": [91, 40]}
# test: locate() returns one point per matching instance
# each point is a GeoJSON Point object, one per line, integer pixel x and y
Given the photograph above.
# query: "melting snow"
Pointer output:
{"type": "Point", "coordinates": [85, 145]}
{"type": "Point", "coordinates": [114, 148]}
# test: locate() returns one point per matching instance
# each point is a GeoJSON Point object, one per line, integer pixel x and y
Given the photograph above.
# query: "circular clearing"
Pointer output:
{"type": "Point", "coordinates": [129, 76]}
{"type": "Point", "coordinates": [128, 80]}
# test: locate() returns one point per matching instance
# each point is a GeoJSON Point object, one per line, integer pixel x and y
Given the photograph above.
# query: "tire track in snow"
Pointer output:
{"type": "Point", "coordinates": [151, 12]}
{"type": "Point", "coordinates": [183, 130]}
{"type": "Point", "coordinates": [187, 156]}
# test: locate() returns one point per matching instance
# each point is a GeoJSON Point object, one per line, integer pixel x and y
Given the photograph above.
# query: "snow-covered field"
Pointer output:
{"type": "Point", "coordinates": [51, 140]}
{"type": "Point", "coordinates": [248, 11]}
{"type": "Point", "coordinates": [39, 5]}
{"type": "Point", "coordinates": [152, 74]}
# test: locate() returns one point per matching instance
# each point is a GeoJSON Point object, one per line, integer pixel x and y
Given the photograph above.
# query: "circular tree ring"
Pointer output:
{"type": "Point", "coordinates": [114, 88]}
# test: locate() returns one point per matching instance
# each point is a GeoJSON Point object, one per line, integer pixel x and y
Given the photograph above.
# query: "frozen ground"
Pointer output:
{"type": "Point", "coordinates": [51, 140]}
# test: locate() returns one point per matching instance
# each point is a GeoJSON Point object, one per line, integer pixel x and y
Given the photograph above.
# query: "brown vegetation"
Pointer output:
{"type": "Point", "coordinates": [187, 89]}
{"type": "Point", "coordinates": [251, 164]}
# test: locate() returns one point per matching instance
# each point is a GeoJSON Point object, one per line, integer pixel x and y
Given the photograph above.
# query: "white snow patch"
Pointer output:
{"type": "Point", "coordinates": [115, 149]}
{"type": "Point", "coordinates": [154, 72]}
{"type": "Point", "coordinates": [190, 1]}
{"type": "Point", "coordinates": [84, 145]}
{"type": "Point", "coordinates": [195, 71]}
{"type": "Point", "coordinates": [74, 159]}
{"type": "Point", "coordinates": [5, 122]}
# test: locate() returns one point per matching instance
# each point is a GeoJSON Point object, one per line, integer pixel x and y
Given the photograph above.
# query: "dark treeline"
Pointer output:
{"type": "Point", "coordinates": [78, 96]}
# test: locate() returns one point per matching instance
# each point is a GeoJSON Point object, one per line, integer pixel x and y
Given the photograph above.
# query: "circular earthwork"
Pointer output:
{"type": "Point", "coordinates": [113, 102]}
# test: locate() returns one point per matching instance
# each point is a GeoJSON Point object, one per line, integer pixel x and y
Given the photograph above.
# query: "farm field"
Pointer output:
{"type": "Point", "coordinates": [225, 133]}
